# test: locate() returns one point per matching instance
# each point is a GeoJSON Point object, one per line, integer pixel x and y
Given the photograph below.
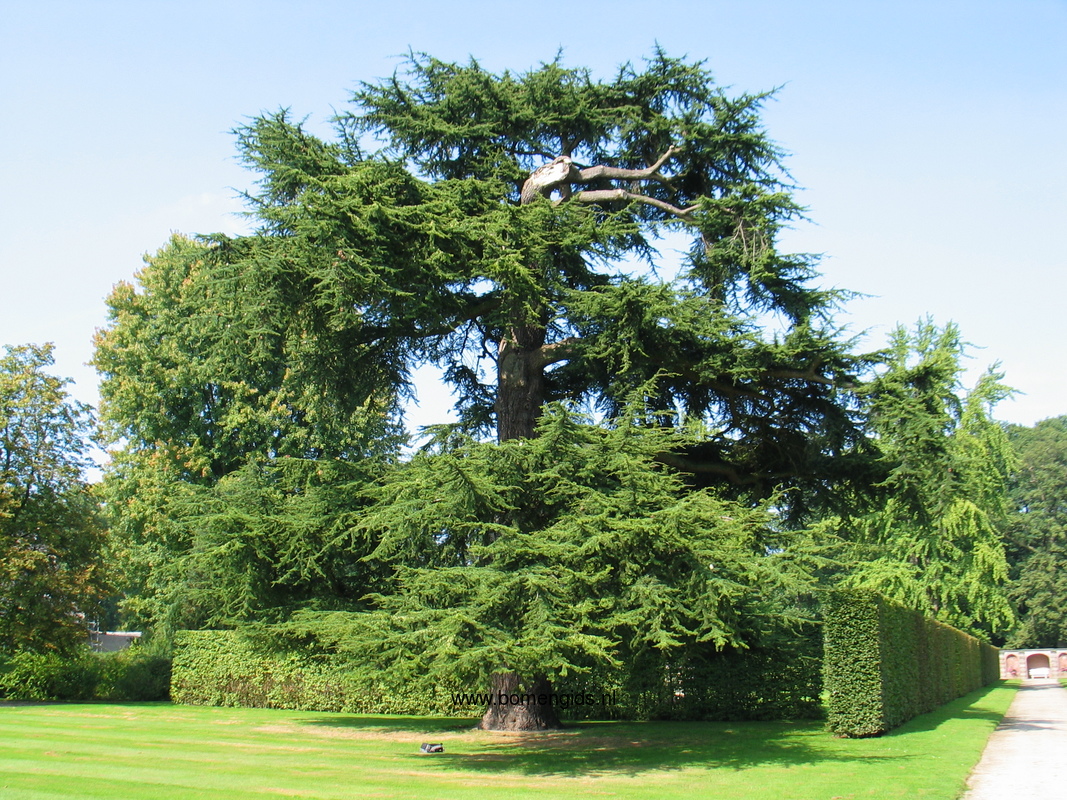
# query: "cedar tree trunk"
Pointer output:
{"type": "Point", "coordinates": [520, 382]}
{"type": "Point", "coordinates": [514, 707]}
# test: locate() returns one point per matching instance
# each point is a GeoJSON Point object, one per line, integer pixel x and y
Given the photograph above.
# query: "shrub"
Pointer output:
{"type": "Point", "coordinates": [49, 676]}
{"type": "Point", "coordinates": [132, 674]}
{"type": "Point", "coordinates": [125, 675]}
{"type": "Point", "coordinates": [228, 668]}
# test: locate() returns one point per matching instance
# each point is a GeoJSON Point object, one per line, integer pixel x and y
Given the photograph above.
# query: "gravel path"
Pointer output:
{"type": "Point", "coordinates": [1027, 754]}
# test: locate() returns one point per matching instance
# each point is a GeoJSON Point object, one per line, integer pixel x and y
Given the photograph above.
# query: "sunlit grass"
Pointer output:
{"type": "Point", "coordinates": [158, 750]}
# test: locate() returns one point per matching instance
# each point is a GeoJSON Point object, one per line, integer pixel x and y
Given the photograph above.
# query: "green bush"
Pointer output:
{"type": "Point", "coordinates": [884, 664]}
{"type": "Point", "coordinates": [125, 675]}
{"type": "Point", "coordinates": [228, 668]}
{"type": "Point", "coordinates": [133, 675]}
{"type": "Point", "coordinates": [49, 676]}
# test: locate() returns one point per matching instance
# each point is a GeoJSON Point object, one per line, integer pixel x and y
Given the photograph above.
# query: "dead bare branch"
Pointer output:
{"type": "Point", "coordinates": [608, 195]}
{"type": "Point", "coordinates": [590, 174]}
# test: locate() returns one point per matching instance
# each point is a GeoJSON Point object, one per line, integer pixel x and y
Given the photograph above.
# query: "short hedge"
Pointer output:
{"type": "Point", "coordinates": [126, 675]}
{"type": "Point", "coordinates": [884, 664]}
{"type": "Point", "coordinates": [228, 668]}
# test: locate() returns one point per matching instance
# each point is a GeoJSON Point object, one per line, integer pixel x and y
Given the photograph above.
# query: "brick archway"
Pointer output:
{"type": "Point", "coordinates": [1038, 661]}
{"type": "Point", "coordinates": [1052, 663]}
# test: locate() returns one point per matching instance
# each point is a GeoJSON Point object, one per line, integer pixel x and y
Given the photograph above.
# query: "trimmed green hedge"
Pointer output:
{"type": "Point", "coordinates": [766, 683]}
{"type": "Point", "coordinates": [126, 675]}
{"type": "Point", "coordinates": [229, 668]}
{"type": "Point", "coordinates": [884, 664]}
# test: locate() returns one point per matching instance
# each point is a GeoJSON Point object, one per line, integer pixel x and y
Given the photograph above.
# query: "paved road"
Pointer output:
{"type": "Point", "coordinates": [1027, 754]}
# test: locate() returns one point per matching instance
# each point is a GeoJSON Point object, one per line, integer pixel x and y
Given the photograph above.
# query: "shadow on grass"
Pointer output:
{"type": "Point", "coordinates": [621, 748]}
{"type": "Point", "coordinates": [386, 725]}
{"type": "Point", "coordinates": [632, 748]}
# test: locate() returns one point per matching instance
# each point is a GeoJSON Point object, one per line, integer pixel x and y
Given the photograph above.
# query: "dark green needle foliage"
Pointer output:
{"type": "Point", "coordinates": [494, 234]}
{"type": "Point", "coordinates": [571, 554]}
{"type": "Point", "coordinates": [503, 227]}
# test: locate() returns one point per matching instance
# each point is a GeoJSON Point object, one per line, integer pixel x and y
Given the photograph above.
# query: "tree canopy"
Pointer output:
{"type": "Point", "coordinates": [665, 427]}
{"type": "Point", "coordinates": [52, 577]}
{"type": "Point", "coordinates": [1037, 534]}
{"type": "Point", "coordinates": [494, 234]}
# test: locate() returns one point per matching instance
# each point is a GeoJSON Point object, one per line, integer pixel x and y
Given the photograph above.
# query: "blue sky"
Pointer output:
{"type": "Point", "coordinates": [929, 139]}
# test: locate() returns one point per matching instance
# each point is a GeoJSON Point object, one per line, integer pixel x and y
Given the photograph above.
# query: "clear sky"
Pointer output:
{"type": "Point", "coordinates": [930, 139]}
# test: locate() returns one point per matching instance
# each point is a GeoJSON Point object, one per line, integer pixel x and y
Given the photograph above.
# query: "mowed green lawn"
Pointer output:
{"type": "Point", "coordinates": [161, 751]}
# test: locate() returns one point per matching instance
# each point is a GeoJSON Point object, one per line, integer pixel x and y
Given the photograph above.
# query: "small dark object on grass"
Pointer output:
{"type": "Point", "coordinates": [432, 748]}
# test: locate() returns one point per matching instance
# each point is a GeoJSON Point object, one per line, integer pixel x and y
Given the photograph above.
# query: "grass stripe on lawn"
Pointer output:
{"type": "Point", "coordinates": [161, 751]}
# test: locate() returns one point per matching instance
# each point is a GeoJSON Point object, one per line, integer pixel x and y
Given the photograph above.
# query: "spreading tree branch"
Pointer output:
{"type": "Point", "coordinates": [599, 172]}
{"type": "Point", "coordinates": [561, 172]}
{"type": "Point", "coordinates": [607, 195]}
{"type": "Point", "coordinates": [478, 308]}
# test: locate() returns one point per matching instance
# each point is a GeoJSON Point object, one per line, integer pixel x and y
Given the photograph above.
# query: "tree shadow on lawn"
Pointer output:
{"type": "Point", "coordinates": [395, 724]}
{"type": "Point", "coordinates": [620, 748]}
{"type": "Point", "coordinates": [631, 748]}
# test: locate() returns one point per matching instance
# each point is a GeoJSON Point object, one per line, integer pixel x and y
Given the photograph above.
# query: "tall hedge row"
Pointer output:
{"type": "Point", "coordinates": [766, 683]}
{"type": "Point", "coordinates": [884, 664]}
{"type": "Point", "coordinates": [228, 668]}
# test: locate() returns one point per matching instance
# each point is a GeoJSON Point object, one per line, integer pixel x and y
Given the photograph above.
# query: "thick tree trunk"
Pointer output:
{"type": "Point", "coordinates": [520, 382]}
{"type": "Point", "coordinates": [515, 707]}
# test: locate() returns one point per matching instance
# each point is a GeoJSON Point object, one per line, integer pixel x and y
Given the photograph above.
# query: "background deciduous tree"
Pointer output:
{"type": "Point", "coordinates": [1037, 534]}
{"type": "Point", "coordinates": [52, 575]}
{"type": "Point", "coordinates": [196, 386]}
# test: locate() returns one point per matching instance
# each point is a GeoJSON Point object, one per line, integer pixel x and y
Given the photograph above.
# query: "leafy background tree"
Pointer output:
{"type": "Point", "coordinates": [1037, 534]}
{"type": "Point", "coordinates": [52, 543]}
{"type": "Point", "coordinates": [195, 388]}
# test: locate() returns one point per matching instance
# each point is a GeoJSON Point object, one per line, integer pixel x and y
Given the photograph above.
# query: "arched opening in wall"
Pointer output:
{"type": "Point", "coordinates": [1063, 663]}
{"type": "Point", "coordinates": [1011, 666]}
{"type": "Point", "coordinates": [1037, 665]}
